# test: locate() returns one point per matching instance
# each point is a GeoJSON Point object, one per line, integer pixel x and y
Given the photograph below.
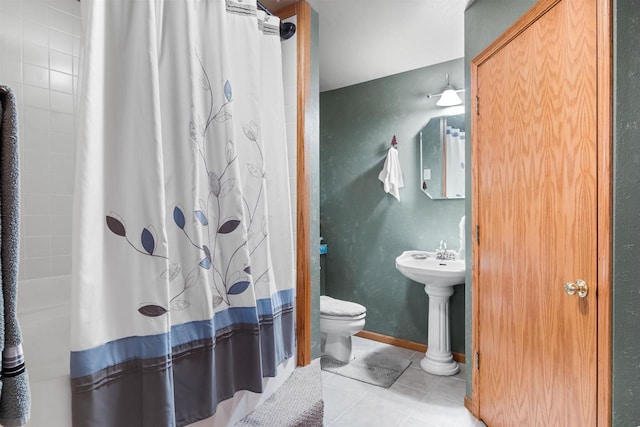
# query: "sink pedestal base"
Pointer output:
{"type": "Point", "coordinates": [438, 360]}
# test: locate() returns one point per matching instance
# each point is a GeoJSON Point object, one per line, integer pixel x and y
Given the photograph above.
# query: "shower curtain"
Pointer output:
{"type": "Point", "coordinates": [183, 284]}
{"type": "Point", "coordinates": [455, 141]}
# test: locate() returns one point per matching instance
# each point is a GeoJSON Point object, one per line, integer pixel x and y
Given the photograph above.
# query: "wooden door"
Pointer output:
{"type": "Point", "coordinates": [535, 201]}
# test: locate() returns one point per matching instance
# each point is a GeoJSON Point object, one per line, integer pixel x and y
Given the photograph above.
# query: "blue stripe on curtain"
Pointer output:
{"type": "Point", "coordinates": [186, 386]}
{"type": "Point", "coordinates": [93, 360]}
{"type": "Point", "coordinates": [268, 306]}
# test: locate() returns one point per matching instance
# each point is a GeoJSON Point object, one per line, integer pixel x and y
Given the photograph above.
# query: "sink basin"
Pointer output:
{"type": "Point", "coordinates": [438, 277]}
{"type": "Point", "coordinates": [423, 267]}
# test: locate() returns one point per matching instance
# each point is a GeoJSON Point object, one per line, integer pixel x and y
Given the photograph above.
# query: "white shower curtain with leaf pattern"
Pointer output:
{"type": "Point", "coordinates": [183, 287]}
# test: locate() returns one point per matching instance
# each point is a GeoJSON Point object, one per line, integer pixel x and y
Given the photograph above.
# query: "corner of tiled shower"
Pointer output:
{"type": "Point", "coordinates": [39, 60]}
{"type": "Point", "coordinates": [39, 50]}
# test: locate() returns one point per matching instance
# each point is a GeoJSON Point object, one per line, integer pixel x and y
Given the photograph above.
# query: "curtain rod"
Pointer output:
{"type": "Point", "coordinates": [287, 29]}
{"type": "Point", "coordinates": [260, 5]}
{"type": "Point", "coordinates": [264, 8]}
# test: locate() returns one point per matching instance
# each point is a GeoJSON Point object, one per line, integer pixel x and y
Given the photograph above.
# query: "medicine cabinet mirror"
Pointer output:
{"type": "Point", "coordinates": [442, 157]}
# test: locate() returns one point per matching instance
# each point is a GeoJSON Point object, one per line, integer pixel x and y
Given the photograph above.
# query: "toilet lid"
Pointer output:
{"type": "Point", "coordinates": [335, 307]}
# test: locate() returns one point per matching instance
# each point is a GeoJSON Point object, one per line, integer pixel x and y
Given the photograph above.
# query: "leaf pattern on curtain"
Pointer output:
{"type": "Point", "coordinates": [225, 282]}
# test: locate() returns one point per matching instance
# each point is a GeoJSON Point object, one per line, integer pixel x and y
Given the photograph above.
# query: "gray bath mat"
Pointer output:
{"type": "Point", "coordinates": [297, 403]}
{"type": "Point", "coordinates": [369, 367]}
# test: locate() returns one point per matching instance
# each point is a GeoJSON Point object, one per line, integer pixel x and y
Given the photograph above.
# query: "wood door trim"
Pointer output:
{"type": "Point", "coordinates": [474, 400]}
{"type": "Point", "coordinates": [604, 105]}
{"type": "Point", "coordinates": [525, 21]}
{"type": "Point", "coordinates": [287, 11]}
{"type": "Point", "coordinates": [470, 405]}
{"type": "Point", "coordinates": [302, 10]}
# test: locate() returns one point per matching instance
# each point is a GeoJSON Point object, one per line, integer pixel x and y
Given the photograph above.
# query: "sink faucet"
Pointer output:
{"type": "Point", "coordinates": [442, 252]}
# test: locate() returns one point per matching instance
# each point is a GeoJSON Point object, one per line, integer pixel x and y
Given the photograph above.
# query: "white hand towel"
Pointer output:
{"type": "Point", "coordinates": [391, 175]}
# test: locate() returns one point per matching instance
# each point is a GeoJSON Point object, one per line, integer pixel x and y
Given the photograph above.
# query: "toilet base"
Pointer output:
{"type": "Point", "coordinates": [337, 346]}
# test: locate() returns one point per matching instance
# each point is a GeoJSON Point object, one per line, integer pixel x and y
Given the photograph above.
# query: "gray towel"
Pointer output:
{"type": "Point", "coordinates": [15, 402]}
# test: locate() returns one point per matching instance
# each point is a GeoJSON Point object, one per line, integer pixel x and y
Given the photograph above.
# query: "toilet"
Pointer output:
{"type": "Point", "coordinates": [339, 320]}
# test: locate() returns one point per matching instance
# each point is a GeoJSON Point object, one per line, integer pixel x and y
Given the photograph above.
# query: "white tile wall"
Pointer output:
{"type": "Point", "coordinates": [290, 78]}
{"type": "Point", "coordinates": [39, 48]}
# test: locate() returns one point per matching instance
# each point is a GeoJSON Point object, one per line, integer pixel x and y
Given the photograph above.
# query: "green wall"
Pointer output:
{"type": "Point", "coordinates": [626, 221]}
{"type": "Point", "coordinates": [366, 229]}
{"type": "Point", "coordinates": [313, 132]}
{"type": "Point", "coordinates": [485, 20]}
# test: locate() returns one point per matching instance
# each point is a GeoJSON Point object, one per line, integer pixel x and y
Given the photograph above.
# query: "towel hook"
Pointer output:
{"type": "Point", "coordinates": [394, 142]}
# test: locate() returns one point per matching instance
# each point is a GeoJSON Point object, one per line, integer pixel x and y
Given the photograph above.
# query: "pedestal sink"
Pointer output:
{"type": "Point", "coordinates": [438, 277]}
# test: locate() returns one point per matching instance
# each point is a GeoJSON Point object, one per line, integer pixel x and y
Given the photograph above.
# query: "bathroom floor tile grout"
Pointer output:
{"type": "Point", "coordinates": [416, 398]}
{"type": "Point", "coordinates": [347, 409]}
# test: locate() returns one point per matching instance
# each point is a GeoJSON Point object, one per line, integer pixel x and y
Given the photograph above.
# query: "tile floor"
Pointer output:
{"type": "Point", "coordinates": [416, 399]}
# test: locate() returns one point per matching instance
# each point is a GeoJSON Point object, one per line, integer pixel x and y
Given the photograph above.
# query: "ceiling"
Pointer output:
{"type": "Point", "coordinates": [362, 40]}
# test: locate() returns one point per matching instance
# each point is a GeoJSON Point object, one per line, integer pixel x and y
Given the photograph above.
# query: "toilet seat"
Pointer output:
{"type": "Point", "coordinates": [343, 318]}
{"type": "Point", "coordinates": [335, 308]}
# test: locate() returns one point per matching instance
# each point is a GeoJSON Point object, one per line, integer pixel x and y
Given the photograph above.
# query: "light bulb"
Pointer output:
{"type": "Point", "coordinates": [449, 97]}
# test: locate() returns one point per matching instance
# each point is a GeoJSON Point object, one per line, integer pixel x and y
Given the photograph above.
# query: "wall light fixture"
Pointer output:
{"type": "Point", "coordinates": [449, 96]}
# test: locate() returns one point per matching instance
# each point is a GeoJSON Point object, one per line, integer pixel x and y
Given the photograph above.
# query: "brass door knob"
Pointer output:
{"type": "Point", "coordinates": [580, 287]}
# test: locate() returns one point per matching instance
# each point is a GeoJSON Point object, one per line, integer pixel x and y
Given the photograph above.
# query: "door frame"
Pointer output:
{"type": "Point", "coordinates": [604, 148]}
{"type": "Point", "coordinates": [302, 11]}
